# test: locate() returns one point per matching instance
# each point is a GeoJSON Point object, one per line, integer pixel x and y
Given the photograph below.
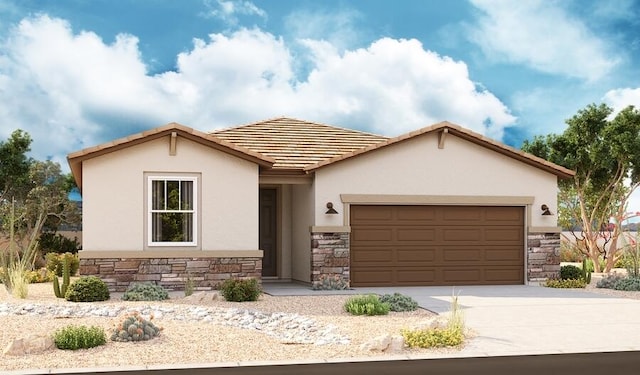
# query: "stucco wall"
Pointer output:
{"type": "Point", "coordinates": [302, 209]}
{"type": "Point", "coordinates": [113, 193]}
{"type": "Point", "coordinates": [418, 167]}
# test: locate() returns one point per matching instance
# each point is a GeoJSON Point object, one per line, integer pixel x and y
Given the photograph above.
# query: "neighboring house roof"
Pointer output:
{"type": "Point", "coordinates": [75, 159]}
{"type": "Point", "coordinates": [296, 144]}
{"type": "Point", "coordinates": [449, 128]}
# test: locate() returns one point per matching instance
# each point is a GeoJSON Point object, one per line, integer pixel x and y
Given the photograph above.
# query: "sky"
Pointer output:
{"type": "Point", "coordinates": [77, 73]}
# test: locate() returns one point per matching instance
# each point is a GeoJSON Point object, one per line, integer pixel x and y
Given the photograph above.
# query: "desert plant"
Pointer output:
{"type": "Point", "coordinates": [145, 292]}
{"type": "Point", "coordinates": [565, 283]}
{"type": "Point", "coordinates": [451, 335]}
{"type": "Point", "coordinates": [189, 285]}
{"type": "Point", "coordinates": [87, 289]}
{"type": "Point", "coordinates": [61, 292]}
{"type": "Point", "coordinates": [327, 282]}
{"type": "Point", "coordinates": [632, 256]}
{"type": "Point", "coordinates": [41, 275]}
{"type": "Point", "coordinates": [570, 272]}
{"type": "Point", "coordinates": [79, 337]}
{"type": "Point", "coordinates": [134, 327]}
{"type": "Point", "coordinates": [399, 302]}
{"type": "Point", "coordinates": [240, 290]}
{"type": "Point", "coordinates": [15, 263]}
{"type": "Point", "coordinates": [627, 284]}
{"type": "Point", "coordinates": [609, 280]}
{"type": "Point", "coordinates": [55, 262]}
{"type": "Point", "coordinates": [368, 304]}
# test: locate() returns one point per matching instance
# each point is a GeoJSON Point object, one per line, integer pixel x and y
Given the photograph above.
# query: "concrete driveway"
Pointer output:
{"type": "Point", "coordinates": [524, 319]}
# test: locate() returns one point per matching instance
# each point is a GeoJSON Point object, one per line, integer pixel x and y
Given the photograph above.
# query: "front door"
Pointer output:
{"type": "Point", "coordinates": [268, 231]}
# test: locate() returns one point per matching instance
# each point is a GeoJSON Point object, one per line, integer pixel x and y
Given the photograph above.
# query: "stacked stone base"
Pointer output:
{"type": "Point", "coordinates": [330, 259]}
{"type": "Point", "coordinates": [171, 273]}
{"type": "Point", "coordinates": [543, 258]}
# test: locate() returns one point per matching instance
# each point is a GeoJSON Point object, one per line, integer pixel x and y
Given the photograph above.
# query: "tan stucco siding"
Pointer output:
{"type": "Point", "coordinates": [418, 167]}
{"type": "Point", "coordinates": [114, 216]}
{"type": "Point", "coordinates": [302, 213]}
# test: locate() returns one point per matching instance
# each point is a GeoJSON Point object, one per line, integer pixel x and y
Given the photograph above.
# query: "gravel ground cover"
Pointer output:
{"type": "Point", "coordinates": [195, 340]}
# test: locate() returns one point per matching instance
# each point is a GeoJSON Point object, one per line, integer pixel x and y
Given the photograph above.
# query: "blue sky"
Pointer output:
{"type": "Point", "coordinates": [76, 73]}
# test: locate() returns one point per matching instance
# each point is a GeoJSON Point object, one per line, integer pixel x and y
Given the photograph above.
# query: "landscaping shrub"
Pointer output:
{"type": "Point", "coordinates": [87, 289]}
{"type": "Point", "coordinates": [451, 335]}
{"type": "Point", "coordinates": [326, 282]}
{"type": "Point", "coordinates": [569, 252]}
{"type": "Point", "coordinates": [566, 283]}
{"type": "Point", "coordinates": [399, 302]}
{"type": "Point", "coordinates": [609, 281]}
{"type": "Point", "coordinates": [145, 292]}
{"type": "Point", "coordinates": [50, 242]}
{"type": "Point", "coordinates": [41, 275]}
{"type": "Point", "coordinates": [627, 284]}
{"type": "Point", "coordinates": [134, 327]}
{"type": "Point", "coordinates": [55, 261]}
{"type": "Point", "coordinates": [366, 305]}
{"type": "Point", "coordinates": [570, 272]}
{"type": "Point", "coordinates": [240, 290]}
{"type": "Point", "coordinates": [79, 337]}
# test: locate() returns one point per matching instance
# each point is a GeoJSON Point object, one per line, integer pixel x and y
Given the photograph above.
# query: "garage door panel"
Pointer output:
{"type": "Point", "coordinates": [437, 245]}
{"type": "Point", "coordinates": [415, 255]}
{"type": "Point", "coordinates": [369, 256]}
{"type": "Point", "coordinates": [504, 234]}
{"type": "Point", "coordinates": [462, 234]}
{"type": "Point", "coordinates": [415, 234]}
{"type": "Point", "coordinates": [412, 276]}
{"type": "Point", "coordinates": [373, 234]}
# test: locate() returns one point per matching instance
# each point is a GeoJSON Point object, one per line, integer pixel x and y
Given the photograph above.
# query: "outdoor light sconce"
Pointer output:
{"type": "Point", "coordinates": [330, 209]}
{"type": "Point", "coordinates": [545, 210]}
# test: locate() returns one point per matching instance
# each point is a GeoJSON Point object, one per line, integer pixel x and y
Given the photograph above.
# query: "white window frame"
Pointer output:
{"type": "Point", "coordinates": [150, 211]}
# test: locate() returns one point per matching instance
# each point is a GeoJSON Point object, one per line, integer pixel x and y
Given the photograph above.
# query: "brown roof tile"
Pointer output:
{"type": "Point", "coordinates": [296, 144]}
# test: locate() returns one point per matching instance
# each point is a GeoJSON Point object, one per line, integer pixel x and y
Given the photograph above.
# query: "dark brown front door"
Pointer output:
{"type": "Point", "coordinates": [268, 231]}
{"type": "Point", "coordinates": [436, 245]}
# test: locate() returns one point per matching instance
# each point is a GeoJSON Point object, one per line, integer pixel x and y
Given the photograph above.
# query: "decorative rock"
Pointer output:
{"type": "Point", "coordinates": [29, 345]}
{"type": "Point", "coordinates": [380, 343]}
{"type": "Point", "coordinates": [396, 345]}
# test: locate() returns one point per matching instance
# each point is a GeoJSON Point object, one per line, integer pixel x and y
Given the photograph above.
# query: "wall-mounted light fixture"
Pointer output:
{"type": "Point", "coordinates": [330, 209]}
{"type": "Point", "coordinates": [545, 210]}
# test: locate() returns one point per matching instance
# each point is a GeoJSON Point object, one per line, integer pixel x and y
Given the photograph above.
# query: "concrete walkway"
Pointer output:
{"type": "Point", "coordinates": [522, 319]}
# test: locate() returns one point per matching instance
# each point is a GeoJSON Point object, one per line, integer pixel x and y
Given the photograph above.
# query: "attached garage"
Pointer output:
{"type": "Point", "coordinates": [402, 245]}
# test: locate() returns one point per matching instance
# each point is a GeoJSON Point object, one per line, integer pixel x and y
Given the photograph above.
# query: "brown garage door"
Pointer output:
{"type": "Point", "coordinates": [436, 245]}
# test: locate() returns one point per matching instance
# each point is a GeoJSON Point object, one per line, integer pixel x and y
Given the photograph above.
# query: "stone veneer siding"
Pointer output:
{"type": "Point", "coordinates": [171, 273]}
{"type": "Point", "coordinates": [329, 256]}
{"type": "Point", "coordinates": [543, 256]}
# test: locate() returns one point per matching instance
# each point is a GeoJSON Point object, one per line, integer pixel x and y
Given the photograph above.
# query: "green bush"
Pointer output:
{"type": "Point", "coordinates": [145, 292]}
{"type": "Point", "coordinates": [50, 242]}
{"type": "Point", "coordinates": [609, 281]}
{"type": "Point", "coordinates": [399, 302]}
{"type": "Point", "coordinates": [451, 335]}
{"type": "Point", "coordinates": [55, 261]}
{"type": "Point", "coordinates": [570, 272]}
{"type": "Point", "coordinates": [628, 284]}
{"type": "Point", "coordinates": [87, 289]}
{"type": "Point", "coordinates": [566, 283]}
{"type": "Point", "coordinates": [134, 327]}
{"type": "Point", "coordinates": [369, 304]}
{"type": "Point", "coordinates": [79, 337]}
{"type": "Point", "coordinates": [240, 290]}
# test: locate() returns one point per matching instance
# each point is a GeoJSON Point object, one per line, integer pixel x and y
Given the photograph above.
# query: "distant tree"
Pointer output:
{"type": "Point", "coordinates": [14, 164]}
{"type": "Point", "coordinates": [604, 152]}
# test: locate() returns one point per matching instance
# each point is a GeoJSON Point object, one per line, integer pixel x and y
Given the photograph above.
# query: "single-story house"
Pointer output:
{"type": "Point", "coordinates": [286, 199]}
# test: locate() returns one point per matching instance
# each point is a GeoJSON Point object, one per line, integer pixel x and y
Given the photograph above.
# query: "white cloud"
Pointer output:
{"type": "Point", "coordinates": [541, 35]}
{"type": "Point", "coordinates": [337, 26]}
{"type": "Point", "coordinates": [71, 90]}
{"type": "Point", "coordinates": [619, 99]}
{"type": "Point", "coordinates": [228, 11]}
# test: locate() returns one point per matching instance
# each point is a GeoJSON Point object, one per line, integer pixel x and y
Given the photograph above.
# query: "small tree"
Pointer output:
{"type": "Point", "coordinates": [604, 153]}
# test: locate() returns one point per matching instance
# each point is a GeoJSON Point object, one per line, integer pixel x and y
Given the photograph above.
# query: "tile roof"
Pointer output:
{"type": "Point", "coordinates": [463, 133]}
{"type": "Point", "coordinates": [295, 144]}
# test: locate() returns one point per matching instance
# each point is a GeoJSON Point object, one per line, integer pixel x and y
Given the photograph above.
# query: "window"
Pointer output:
{"type": "Point", "coordinates": [172, 211]}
